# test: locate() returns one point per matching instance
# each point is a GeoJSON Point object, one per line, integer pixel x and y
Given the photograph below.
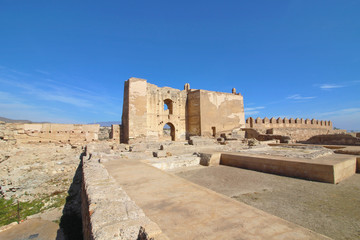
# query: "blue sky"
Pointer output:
{"type": "Point", "coordinates": [66, 61]}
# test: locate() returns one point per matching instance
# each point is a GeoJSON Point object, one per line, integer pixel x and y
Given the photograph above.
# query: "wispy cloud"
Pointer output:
{"type": "Point", "coordinates": [62, 95]}
{"type": "Point", "coordinates": [343, 84]}
{"type": "Point", "coordinates": [299, 97]}
{"type": "Point", "coordinates": [340, 112]}
{"type": "Point", "coordinates": [253, 110]}
{"type": "Point", "coordinates": [330, 86]}
{"type": "Point", "coordinates": [42, 71]}
{"type": "Point", "coordinates": [39, 98]}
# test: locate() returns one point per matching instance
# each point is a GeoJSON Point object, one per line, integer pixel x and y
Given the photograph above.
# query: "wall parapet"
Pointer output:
{"type": "Point", "coordinates": [266, 123]}
{"type": "Point", "coordinates": [107, 211]}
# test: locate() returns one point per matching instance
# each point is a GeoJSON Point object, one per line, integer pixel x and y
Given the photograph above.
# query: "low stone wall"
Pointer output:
{"type": "Point", "coordinates": [292, 134]}
{"type": "Point", "coordinates": [316, 170]}
{"type": "Point", "coordinates": [48, 132]}
{"type": "Point", "coordinates": [335, 139]}
{"type": "Point", "coordinates": [302, 134]}
{"type": "Point", "coordinates": [107, 211]}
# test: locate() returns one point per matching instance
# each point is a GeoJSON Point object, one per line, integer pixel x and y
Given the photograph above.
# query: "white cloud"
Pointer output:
{"type": "Point", "coordinates": [251, 113]}
{"type": "Point", "coordinates": [330, 86]}
{"type": "Point", "coordinates": [299, 97]}
{"type": "Point", "coordinates": [253, 108]}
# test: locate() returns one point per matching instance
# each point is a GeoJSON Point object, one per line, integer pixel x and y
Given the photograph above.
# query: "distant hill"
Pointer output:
{"type": "Point", "coordinates": [8, 120]}
{"type": "Point", "coordinates": [107, 124]}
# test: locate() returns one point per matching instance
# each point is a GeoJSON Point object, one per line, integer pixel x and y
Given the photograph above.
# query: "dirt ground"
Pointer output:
{"type": "Point", "coordinates": [329, 209]}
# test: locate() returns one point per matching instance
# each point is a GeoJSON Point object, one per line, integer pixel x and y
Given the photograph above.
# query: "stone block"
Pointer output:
{"type": "Point", "coordinates": [200, 141]}
{"type": "Point", "coordinates": [210, 159]}
{"type": "Point", "coordinates": [160, 154]}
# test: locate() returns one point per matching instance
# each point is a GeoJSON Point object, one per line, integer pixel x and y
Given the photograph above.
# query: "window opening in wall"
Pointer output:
{"type": "Point", "coordinates": [213, 131]}
{"type": "Point", "coordinates": [168, 105]}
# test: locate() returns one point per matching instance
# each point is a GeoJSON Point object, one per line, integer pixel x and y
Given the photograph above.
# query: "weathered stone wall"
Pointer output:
{"type": "Point", "coordinates": [193, 113]}
{"type": "Point", "coordinates": [144, 115]}
{"type": "Point", "coordinates": [107, 211]}
{"type": "Point", "coordinates": [188, 112]}
{"type": "Point", "coordinates": [297, 129]}
{"type": "Point", "coordinates": [115, 133]}
{"type": "Point", "coordinates": [302, 134]}
{"type": "Point", "coordinates": [49, 132]}
{"type": "Point", "coordinates": [287, 123]}
{"type": "Point", "coordinates": [220, 112]}
{"type": "Point", "coordinates": [335, 139]}
{"type": "Point", "coordinates": [104, 133]}
{"type": "Point", "coordinates": [174, 115]}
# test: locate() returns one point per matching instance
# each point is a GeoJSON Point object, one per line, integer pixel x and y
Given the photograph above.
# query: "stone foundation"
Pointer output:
{"type": "Point", "coordinates": [107, 211]}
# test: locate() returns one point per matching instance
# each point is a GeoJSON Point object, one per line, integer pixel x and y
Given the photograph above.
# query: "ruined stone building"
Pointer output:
{"type": "Point", "coordinates": [147, 108]}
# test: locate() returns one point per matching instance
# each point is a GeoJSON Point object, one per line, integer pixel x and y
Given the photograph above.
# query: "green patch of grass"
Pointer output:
{"type": "Point", "coordinates": [8, 211]}
{"type": "Point", "coordinates": [9, 208]}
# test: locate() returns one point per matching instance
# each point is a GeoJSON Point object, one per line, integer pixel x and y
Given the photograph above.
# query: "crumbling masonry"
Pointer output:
{"type": "Point", "coordinates": [147, 108]}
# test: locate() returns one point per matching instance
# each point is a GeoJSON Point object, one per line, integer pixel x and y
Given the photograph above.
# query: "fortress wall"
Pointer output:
{"type": "Point", "coordinates": [107, 211]}
{"type": "Point", "coordinates": [158, 116]}
{"type": "Point", "coordinates": [220, 112]}
{"type": "Point", "coordinates": [144, 114]}
{"type": "Point", "coordinates": [49, 132]}
{"type": "Point", "coordinates": [297, 129]}
{"type": "Point", "coordinates": [302, 134]}
{"type": "Point", "coordinates": [189, 112]}
{"type": "Point", "coordinates": [266, 123]}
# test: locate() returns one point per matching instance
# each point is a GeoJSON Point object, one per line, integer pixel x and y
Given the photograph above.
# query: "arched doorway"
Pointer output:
{"type": "Point", "coordinates": [169, 131]}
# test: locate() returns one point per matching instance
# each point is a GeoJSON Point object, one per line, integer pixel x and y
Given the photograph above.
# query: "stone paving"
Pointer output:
{"type": "Point", "coordinates": [184, 210]}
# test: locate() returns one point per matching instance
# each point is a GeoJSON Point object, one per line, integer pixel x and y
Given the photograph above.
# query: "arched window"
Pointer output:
{"type": "Point", "coordinates": [168, 105]}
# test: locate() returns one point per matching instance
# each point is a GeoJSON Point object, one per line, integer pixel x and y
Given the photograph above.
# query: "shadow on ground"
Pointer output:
{"type": "Point", "coordinates": [71, 222]}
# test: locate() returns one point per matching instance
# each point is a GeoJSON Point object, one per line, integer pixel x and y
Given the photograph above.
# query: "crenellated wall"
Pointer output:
{"type": "Point", "coordinates": [266, 123]}
{"type": "Point", "coordinates": [295, 129]}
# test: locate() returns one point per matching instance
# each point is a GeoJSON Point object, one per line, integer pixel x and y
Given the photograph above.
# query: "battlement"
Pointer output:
{"type": "Point", "coordinates": [266, 123]}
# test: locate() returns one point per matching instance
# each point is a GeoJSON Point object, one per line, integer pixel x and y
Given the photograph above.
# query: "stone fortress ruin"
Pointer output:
{"type": "Point", "coordinates": [147, 108]}
{"type": "Point", "coordinates": [130, 188]}
{"type": "Point", "coordinates": [189, 112]}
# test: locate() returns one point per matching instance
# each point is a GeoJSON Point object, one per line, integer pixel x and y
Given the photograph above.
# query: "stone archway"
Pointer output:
{"type": "Point", "coordinates": [169, 128]}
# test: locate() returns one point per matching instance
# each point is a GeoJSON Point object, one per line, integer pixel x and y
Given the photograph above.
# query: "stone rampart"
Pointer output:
{"type": "Point", "coordinates": [48, 132]}
{"type": "Point", "coordinates": [295, 129]}
{"type": "Point", "coordinates": [107, 211]}
{"type": "Point", "coordinates": [302, 134]}
{"type": "Point", "coordinates": [287, 123]}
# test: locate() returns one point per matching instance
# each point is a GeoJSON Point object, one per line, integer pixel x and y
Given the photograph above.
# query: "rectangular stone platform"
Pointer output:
{"type": "Point", "coordinates": [184, 210]}
{"type": "Point", "coordinates": [331, 169]}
